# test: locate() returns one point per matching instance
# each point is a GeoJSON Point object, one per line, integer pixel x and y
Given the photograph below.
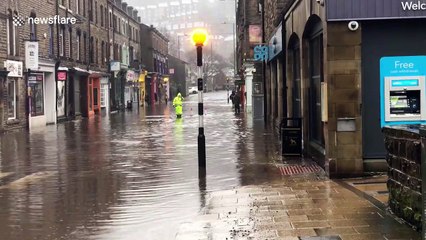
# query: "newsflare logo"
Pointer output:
{"type": "Point", "coordinates": [20, 21]}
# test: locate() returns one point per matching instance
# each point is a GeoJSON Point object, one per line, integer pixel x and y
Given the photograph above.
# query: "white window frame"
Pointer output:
{"type": "Point", "coordinates": [14, 99]}
{"type": "Point", "coordinates": [11, 38]}
{"type": "Point", "coordinates": [77, 6]}
{"type": "Point", "coordinates": [70, 44]}
{"type": "Point", "coordinates": [78, 36]}
{"type": "Point", "coordinates": [103, 95]}
{"type": "Point", "coordinates": [61, 42]}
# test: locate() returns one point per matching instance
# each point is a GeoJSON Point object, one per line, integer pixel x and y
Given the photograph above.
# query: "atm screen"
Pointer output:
{"type": "Point", "coordinates": [405, 102]}
{"type": "Point", "coordinates": [399, 102]}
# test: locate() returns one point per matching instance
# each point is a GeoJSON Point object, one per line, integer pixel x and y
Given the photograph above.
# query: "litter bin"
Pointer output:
{"type": "Point", "coordinates": [291, 136]}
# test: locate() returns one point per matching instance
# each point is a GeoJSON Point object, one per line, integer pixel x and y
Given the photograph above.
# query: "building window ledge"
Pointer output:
{"type": "Point", "coordinates": [13, 121]}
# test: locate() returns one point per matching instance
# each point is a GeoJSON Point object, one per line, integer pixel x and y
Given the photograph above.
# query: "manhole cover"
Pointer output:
{"type": "Point", "coordinates": [299, 169]}
{"type": "Point", "coordinates": [321, 238]}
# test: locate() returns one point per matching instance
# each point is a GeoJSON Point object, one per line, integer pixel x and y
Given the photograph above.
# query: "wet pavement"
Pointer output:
{"type": "Point", "coordinates": [125, 176]}
{"type": "Point", "coordinates": [134, 175]}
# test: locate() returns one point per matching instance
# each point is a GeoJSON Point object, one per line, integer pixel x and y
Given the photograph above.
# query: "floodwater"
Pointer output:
{"type": "Point", "coordinates": [131, 175]}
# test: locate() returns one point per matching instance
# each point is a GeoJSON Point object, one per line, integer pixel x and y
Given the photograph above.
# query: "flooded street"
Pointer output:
{"type": "Point", "coordinates": [131, 175]}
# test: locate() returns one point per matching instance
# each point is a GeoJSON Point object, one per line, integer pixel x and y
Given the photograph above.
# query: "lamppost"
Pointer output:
{"type": "Point", "coordinates": [199, 37]}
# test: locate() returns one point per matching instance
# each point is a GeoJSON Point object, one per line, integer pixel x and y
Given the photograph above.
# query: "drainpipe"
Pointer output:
{"type": "Point", "coordinates": [265, 99]}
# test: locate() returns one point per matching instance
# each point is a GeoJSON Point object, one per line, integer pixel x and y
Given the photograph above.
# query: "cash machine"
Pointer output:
{"type": "Point", "coordinates": [404, 100]}
{"type": "Point", "coordinates": [402, 90]}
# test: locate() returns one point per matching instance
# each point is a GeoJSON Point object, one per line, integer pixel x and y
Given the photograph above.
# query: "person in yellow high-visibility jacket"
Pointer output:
{"type": "Point", "coordinates": [177, 104]}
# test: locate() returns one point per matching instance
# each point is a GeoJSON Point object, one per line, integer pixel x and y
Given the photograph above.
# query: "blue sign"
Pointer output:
{"type": "Point", "coordinates": [405, 83]}
{"type": "Point", "coordinates": [261, 53]}
{"type": "Point", "coordinates": [397, 67]}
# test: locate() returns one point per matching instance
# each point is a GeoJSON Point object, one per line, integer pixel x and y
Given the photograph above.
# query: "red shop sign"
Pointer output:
{"type": "Point", "coordinates": [62, 76]}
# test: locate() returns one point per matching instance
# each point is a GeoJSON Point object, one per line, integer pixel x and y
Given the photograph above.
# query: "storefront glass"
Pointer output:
{"type": "Point", "coordinates": [11, 98]}
{"type": "Point", "coordinates": [37, 100]}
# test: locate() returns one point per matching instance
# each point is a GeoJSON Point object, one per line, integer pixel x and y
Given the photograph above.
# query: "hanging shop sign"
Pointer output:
{"type": "Point", "coordinates": [31, 55]}
{"type": "Point", "coordinates": [15, 68]}
{"type": "Point", "coordinates": [130, 76]}
{"type": "Point", "coordinates": [261, 53]}
{"type": "Point", "coordinates": [115, 66]}
{"type": "Point", "coordinates": [62, 76]}
{"type": "Point", "coordinates": [276, 43]}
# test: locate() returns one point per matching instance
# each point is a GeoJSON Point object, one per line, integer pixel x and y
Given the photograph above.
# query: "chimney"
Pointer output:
{"type": "Point", "coordinates": [130, 11]}
{"type": "Point", "coordinates": [139, 19]}
{"type": "Point", "coordinates": [124, 6]}
{"type": "Point", "coordinates": [135, 14]}
{"type": "Point", "coordinates": [118, 3]}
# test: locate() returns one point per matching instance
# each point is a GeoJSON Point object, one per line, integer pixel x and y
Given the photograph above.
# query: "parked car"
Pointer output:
{"type": "Point", "coordinates": [193, 90]}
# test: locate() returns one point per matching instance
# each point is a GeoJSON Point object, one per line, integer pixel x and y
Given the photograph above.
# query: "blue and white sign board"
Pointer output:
{"type": "Point", "coordinates": [402, 90]}
{"type": "Point", "coordinates": [261, 53]}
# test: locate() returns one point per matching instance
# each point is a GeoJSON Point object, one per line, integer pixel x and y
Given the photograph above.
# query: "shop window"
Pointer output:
{"type": "Point", "coordinates": [11, 99]}
{"type": "Point", "coordinates": [104, 89]}
{"type": "Point", "coordinates": [90, 95]}
{"type": "Point", "coordinates": [95, 97]}
{"type": "Point", "coordinates": [316, 77]}
{"type": "Point", "coordinates": [37, 99]}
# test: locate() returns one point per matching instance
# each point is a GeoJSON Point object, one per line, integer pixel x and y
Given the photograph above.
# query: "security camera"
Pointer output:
{"type": "Point", "coordinates": [321, 2]}
{"type": "Point", "coordinates": [353, 25]}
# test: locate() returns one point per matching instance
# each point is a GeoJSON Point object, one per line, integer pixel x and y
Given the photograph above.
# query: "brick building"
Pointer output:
{"type": "Point", "coordinates": [16, 106]}
{"type": "Point", "coordinates": [154, 49]}
{"type": "Point", "coordinates": [72, 78]}
{"type": "Point", "coordinates": [124, 39]}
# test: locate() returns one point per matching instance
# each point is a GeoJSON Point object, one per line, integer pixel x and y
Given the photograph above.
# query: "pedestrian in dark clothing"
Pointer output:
{"type": "Point", "coordinates": [232, 97]}
{"type": "Point", "coordinates": [237, 100]}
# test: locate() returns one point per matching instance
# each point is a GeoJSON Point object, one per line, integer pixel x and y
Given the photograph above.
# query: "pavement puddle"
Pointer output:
{"type": "Point", "coordinates": [27, 180]}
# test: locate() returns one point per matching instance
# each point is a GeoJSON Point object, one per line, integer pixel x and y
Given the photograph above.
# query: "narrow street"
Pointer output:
{"type": "Point", "coordinates": [128, 175]}
{"type": "Point", "coordinates": [134, 175]}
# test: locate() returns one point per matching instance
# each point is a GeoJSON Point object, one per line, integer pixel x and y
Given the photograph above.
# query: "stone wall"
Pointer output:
{"type": "Point", "coordinates": [343, 67]}
{"type": "Point", "coordinates": [403, 148]}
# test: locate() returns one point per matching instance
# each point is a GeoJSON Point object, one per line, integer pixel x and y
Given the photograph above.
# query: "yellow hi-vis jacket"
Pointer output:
{"type": "Point", "coordinates": [177, 103]}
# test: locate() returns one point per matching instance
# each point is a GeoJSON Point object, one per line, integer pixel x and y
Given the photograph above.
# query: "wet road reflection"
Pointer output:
{"type": "Point", "coordinates": [132, 175]}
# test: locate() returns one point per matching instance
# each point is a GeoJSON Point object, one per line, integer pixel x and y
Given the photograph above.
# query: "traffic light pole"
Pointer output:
{"type": "Point", "coordinates": [201, 136]}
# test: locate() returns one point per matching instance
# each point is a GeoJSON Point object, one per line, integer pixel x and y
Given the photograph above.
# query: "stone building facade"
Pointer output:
{"type": "Point", "coordinates": [325, 69]}
{"type": "Point", "coordinates": [154, 49]}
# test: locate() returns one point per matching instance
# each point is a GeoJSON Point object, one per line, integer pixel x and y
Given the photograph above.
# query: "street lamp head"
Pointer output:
{"type": "Point", "coordinates": [199, 37]}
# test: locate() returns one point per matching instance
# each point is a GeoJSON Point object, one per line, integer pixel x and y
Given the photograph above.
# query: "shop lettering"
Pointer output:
{"type": "Point", "coordinates": [413, 6]}
{"type": "Point", "coordinates": [403, 65]}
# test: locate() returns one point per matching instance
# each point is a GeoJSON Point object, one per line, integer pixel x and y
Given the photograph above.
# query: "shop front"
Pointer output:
{"type": "Point", "coordinates": [104, 95]}
{"type": "Point", "coordinates": [131, 90]}
{"type": "Point", "coordinates": [13, 114]}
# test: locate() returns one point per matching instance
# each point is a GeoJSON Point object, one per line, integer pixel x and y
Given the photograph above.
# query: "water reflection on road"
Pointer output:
{"type": "Point", "coordinates": [132, 175]}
